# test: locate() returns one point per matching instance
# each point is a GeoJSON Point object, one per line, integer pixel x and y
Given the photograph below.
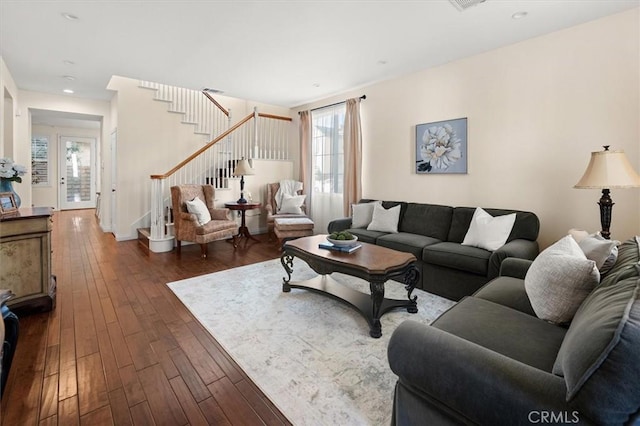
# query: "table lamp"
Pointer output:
{"type": "Point", "coordinates": [608, 169]}
{"type": "Point", "coordinates": [243, 168]}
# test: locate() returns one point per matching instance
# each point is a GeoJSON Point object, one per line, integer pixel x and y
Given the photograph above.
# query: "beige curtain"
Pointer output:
{"type": "Point", "coordinates": [352, 155]}
{"type": "Point", "coordinates": [305, 155]}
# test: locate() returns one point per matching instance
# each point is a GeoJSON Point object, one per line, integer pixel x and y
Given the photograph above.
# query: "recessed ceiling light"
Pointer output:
{"type": "Point", "coordinates": [68, 91]}
{"type": "Point", "coordinates": [69, 16]}
{"type": "Point", "coordinates": [382, 62]}
{"type": "Point", "coordinates": [519, 15]}
{"type": "Point", "coordinates": [316, 84]}
{"type": "Point", "coordinates": [68, 62]}
{"type": "Point", "coordinates": [68, 77]}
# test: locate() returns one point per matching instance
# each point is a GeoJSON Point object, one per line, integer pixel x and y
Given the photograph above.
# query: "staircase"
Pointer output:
{"type": "Point", "coordinates": [199, 109]}
{"type": "Point", "coordinates": [256, 136]}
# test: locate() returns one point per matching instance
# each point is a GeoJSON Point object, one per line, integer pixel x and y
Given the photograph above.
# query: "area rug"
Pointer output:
{"type": "Point", "coordinates": [310, 354]}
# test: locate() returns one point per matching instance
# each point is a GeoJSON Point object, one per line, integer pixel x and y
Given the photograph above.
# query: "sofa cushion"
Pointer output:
{"type": "Point", "coordinates": [365, 235]}
{"type": "Point", "coordinates": [507, 291]}
{"type": "Point", "coordinates": [526, 226]}
{"type": "Point", "coordinates": [625, 266]}
{"type": "Point", "coordinates": [430, 220]}
{"type": "Point", "coordinates": [599, 357]}
{"type": "Point", "coordinates": [559, 280]}
{"type": "Point", "coordinates": [488, 232]}
{"type": "Point", "coordinates": [410, 243]}
{"type": "Point", "coordinates": [216, 226]}
{"type": "Point", "coordinates": [500, 329]}
{"type": "Point", "coordinates": [456, 256]}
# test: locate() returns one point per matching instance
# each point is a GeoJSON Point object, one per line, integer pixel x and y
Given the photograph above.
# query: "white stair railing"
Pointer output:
{"type": "Point", "coordinates": [267, 137]}
{"type": "Point", "coordinates": [198, 108]}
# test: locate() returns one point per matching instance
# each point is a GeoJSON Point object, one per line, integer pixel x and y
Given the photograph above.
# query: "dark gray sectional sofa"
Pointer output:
{"type": "Point", "coordinates": [433, 233]}
{"type": "Point", "coordinates": [490, 361]}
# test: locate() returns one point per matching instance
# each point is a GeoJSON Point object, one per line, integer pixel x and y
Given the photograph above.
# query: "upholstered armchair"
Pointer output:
{"type": "Point", "coordinates": [186, 225]}
{"type": "Point", "coordinates": [272, 210]}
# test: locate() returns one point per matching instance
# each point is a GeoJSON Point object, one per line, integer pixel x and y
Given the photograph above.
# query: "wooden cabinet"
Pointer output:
{"type": "Point", "coordinates": [25, 260]}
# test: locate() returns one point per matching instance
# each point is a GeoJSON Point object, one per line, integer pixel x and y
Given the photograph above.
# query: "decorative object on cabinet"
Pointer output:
{"type": "Point", "coordinates": [7, 203]}
{"type": "Point", "coordinates": [11, 172]}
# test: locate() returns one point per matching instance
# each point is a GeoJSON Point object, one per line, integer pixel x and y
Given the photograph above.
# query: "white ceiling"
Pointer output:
{"type": "Point", "coordinates": [282, 52]}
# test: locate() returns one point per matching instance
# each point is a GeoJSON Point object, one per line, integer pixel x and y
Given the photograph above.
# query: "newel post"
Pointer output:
{"type": "Point", "coordinates": [157, 209]}
{"type": "Point", "coordinates": [159, 241]}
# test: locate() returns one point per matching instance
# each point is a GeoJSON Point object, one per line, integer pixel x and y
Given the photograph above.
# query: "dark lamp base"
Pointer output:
{"type": "Point", "coordinates": [242, 200]}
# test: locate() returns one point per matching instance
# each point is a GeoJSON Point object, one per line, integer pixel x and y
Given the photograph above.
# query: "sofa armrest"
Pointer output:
{"type": "Point", "coordinates": [515, 267]}
{"type": "Point", "coordinates": [337, 225]}
{"type": "Point", "coordinates": [483, 386]}
{"type": "Point", "coordinates": [520, 248]}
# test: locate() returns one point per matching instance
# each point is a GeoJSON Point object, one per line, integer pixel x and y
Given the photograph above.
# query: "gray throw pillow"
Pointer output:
{"type": "Point", "coordinates": [600, 250]}
{"type": "Point", "coordinates": [559, 280]}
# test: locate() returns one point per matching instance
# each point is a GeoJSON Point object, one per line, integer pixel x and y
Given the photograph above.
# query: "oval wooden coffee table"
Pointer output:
{"type": "Point", "coordinates": [372, 263]}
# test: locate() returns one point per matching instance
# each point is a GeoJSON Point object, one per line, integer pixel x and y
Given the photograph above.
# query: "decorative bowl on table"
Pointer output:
{"type": "Point", "coordinates": [343, 243]}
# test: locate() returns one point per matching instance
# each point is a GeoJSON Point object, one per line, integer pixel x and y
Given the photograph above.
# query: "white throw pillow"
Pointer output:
{"type": "Point", "coordinates": [384, 220]}
{"type": "Point", "coordinates": [291, 204]}
{"type": "Point", "coordinates": [197, 207]}
{"type": "Point", "coordinates": [488, 232]}
{"type": "Point", "coordinates": [559, 280]}
{"type": "Point", "coordinates": [362, 214]}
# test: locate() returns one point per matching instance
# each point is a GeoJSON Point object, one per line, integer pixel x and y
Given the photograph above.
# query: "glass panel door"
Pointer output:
{"type": "Point", "coordinates": [77, 173]}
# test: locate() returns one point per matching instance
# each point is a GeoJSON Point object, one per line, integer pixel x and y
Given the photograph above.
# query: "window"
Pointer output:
{"type": "Point", "coordinates": [327, 164]}
{"type": "Point", "coordinates": [40, 160]}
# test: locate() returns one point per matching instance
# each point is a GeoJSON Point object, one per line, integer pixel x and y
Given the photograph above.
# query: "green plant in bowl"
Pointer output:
{"type": "Point", "coordinates": [342, 238]}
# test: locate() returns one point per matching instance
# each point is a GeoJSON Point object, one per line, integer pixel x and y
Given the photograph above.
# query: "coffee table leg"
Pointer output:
{"type": "Point", "coordinates": [287, 264]}
{"type": "Point", "coordinates": [411, 278]}
{"type": "Point", "coordinates": [377, 297]}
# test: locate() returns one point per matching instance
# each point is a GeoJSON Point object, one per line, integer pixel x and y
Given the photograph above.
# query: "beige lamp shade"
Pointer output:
{"type": "Point", "coordinates": [243, 168]}
{"type": "Point", "coordinates": [609, 169]}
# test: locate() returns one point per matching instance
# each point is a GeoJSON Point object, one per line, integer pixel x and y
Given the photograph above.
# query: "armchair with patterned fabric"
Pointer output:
{"type": "Point", "coordinates": [272, 207]}
{"type": "Point", "coordinates": [187, 226]}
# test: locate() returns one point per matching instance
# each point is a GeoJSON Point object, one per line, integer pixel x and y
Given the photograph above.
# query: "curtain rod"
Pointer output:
{"type": "Point", "coordinates": [337, 103]}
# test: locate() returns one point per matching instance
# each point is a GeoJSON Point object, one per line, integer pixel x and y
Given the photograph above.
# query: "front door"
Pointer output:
{"type": "Point", "coordinates": [77, 172]}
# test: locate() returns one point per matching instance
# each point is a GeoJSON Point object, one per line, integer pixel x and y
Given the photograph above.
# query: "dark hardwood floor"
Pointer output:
{"type": "Point", "coordinates": [120, 348]}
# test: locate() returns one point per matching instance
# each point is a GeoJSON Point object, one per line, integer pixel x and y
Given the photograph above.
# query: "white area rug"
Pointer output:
{"type": "Point", "coordinates": [311, 355]}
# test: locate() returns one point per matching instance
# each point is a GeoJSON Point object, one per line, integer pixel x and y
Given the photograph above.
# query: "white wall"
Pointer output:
{"type": "Point", "coordinates": [36, 100]}
{"type": "Point", "coordinates": [535, 111]}
{"type": "Point", "coordinates": [8, 110]}
{"type": "Point", "coordinates": [48, 195]}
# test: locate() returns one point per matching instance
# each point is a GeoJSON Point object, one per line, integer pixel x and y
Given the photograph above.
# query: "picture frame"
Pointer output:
{"type": "Point", "coordinates": [441, 147]}
{"type": "Point", "coordinates": [7, 203]}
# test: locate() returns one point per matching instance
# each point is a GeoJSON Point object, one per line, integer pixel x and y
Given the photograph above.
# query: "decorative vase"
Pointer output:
{"type": "Point", "coordinates": [6, 185]}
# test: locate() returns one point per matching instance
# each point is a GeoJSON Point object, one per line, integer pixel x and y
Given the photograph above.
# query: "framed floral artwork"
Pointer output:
{"type": "Point", "coordinates": [441, 147]}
